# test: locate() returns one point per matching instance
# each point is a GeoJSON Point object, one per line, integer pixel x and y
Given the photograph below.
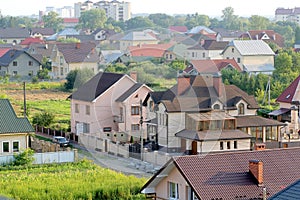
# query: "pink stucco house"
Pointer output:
{"type": "Point", "coordinates": [108, 107]}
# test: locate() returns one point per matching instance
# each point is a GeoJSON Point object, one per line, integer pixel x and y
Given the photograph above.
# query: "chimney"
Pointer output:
{"type": "Point", "coordinates": [256, 169]}
{"type": "Point", "coordinates": [183, 83]}
{"type": "Point", "coordinates": [218, 84]}
{"type": "Point", "coordinates": [133, 75]}
{"type": "Point", "coordinates": [274, 37]}
{"type": "Point", "coordinates": [77, 45]}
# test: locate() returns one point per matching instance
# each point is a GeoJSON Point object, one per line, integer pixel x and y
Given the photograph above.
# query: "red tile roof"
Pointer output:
{"type": "Point", "coordinates": [153, 50]}
{"type": "Point", "coordinates": [212, 66]}
{"type": "Point", "coordinates": [287, 96]}
{"type": "Point", "coordinates": [3, 51]}
{"type": "Point", "coordinates": [180, 29]}
{"type": "Point", "coordinates": [226, 176]}
{"type": "Point", "coordinates": [71, 20]}
{"type": "Point", "coordinates": [31, 40]}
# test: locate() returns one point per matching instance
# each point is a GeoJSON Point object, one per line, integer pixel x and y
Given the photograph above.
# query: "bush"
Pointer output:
{"type": "Point", "coordinates": [43, 119]}
{"type": "Point", "coordinates": [24, 158]}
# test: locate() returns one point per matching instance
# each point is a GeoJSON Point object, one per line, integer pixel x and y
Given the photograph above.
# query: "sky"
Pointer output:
{"type": "Point", "coordinates": [212, 8]}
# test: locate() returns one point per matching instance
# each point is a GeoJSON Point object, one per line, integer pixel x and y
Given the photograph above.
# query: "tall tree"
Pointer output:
{"type": "Point", "coordinates": [162, 20]}
{"type": "Point", "coordinates": [92, 19]}
{"type": "Point", "coordinates": [258, 22]}
{"type": "Point", "coordinates": [138, 23]}
{"type": "Point", "coordinates": [297, 34]}
{"type": "Point", "coordinates": [51, 20]}
{"type": "Point", "coordinates": [229, 19]}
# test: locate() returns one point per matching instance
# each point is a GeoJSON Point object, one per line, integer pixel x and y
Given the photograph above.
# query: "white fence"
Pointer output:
{"type": "Point", "coordinates": [43, 158]}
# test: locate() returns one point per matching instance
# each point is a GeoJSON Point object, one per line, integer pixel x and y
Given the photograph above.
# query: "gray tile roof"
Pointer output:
{"type": "Point", "coordinates": [9, 122]}
{"type": "Point", "coordinates": [251, 47]}
{"type": "Point", "coordinates": [14, 33]}
{"type": "Point", "coordinates": [96, 86]}
{"type": "Point", "coordinates": [138, 36]}
{"type": "Point", "coordinates": [256, 121]}
{"type": "Point", "coordinates": [11, 55]}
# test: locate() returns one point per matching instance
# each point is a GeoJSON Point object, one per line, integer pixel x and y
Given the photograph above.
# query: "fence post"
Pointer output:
{"type": "Point", "coordinates": [75, 155]}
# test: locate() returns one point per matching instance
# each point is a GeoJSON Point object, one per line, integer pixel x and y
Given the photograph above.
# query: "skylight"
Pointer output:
{"type": "Point", "coordinates": [288, 96]}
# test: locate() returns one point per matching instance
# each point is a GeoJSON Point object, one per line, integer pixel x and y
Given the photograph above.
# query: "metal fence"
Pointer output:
{"type": "Point", "coordinates": [45, 158]}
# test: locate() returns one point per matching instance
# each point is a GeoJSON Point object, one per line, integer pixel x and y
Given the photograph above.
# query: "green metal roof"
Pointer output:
{"type": "Point", "coordinates": [9, 122]}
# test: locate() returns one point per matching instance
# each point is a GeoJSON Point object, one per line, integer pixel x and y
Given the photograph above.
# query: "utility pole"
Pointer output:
{"type": "Point", "coordinates": [24, 92]}
{"type": "Point", "coordinates": [141, 129]}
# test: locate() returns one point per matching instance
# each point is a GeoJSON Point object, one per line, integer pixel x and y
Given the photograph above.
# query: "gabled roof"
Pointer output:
{"type": "Point", "coordinates": [201, 29]}
{"type": "Point", "coordinates": [11, 55]}
{"type": "Point", "coordinates": [111, 55]}
{"type": "Point", "coordinates": [43, 31]}
{"type": "Point", "coordinates": [226, 175]}
{"type": "Point", "coordinates": [65, 32]}
{"type": "Point", "coordinates": [214, 45]}
{"type": "Point", "coordinates": [43, 49]}
{"type": "Point", "coordinates": [14, 33]}
{"type": "Point", "coordinates": [213, 66]}
{"type": "Point", "coordinates": [79, 52]}
{"type": "Point", "coordinates": [179, 29]}
{"type": "Point", "coordinates": [266, 35]}
{"type": "Point", "coordinates": [129, 92]}
{"type": "Point", "coordinates": [200, 95]}
{"type": "Point", "coordinates": [96, 86]}
{"type": "Point", "coordinates": [9, 122]}
{"type": "Point", "coordinates": [291, 93]}
{"type": "Point", "coordinates": [228, 33]}
{"type": "Point", "coordinates": [251, 47]}
{"type": "Point", "coordinates": [31, 40]}
{"type": "Point", "coordinates": [138, 36]}
{"type": "Point", "coordinates": [152, 50]}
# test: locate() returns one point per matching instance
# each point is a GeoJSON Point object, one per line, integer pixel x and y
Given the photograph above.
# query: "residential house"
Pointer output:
{"type": "Point", "coordinates": [136, 38]}
{"type": "Point", "coordinates": [178, 29]}
{"type": "Point", "coordinates": [176, 51]}
{"type": "Point", "coordinates": [288, 112]}
{"type": "Point", "coordinates": [108, 106]}
{"type": "Point", "coordinates": [201, 67]}
{"type": "Point", "coordinates": [62, 34]}
{"type": "Point", "coordinates": [200, 114]}
{"type": "Point", "coordinates": [202, 30]}
{"type": "Point", "coordinates": [235, 175]}
{"type": "Point", "coordinates": [14, 130]}
{"type": "Point", "coordinates": [28, 41]}
{"type": "Point", "coordinates": [287, 14]}
{"type": "Point", "coordinates": [268, 36]}
{"type": "Point", "coordinates": [227, 35]}
{"type": "Point", "coordinates": [71, 56]}
{"type": "Point", "coordinates": [13, 35]}
{"type": "Point", "coordinates": [109, 56]}
{"type": "Point", "coordinates": [19, 62]}
{"type": "Point", "coordinates": [206, 49]}
{"type": "Point", "coordinates": [253, 56]}
{"type": "Point", "coordinates": [42, 33]}
{"type": "Point", "coordinates": [70, 22]}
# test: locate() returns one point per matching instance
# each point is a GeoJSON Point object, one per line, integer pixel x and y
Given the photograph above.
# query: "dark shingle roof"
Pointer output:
{"type": "Point", "coordinates": [96, 86]}
{"type": "Point", "coordinates": [78, 52]}
{"type": "Point", "coordinates": [14, 33]}
{"type": "Point", "coordinates": [287, 96]}
{"type": "Point", "coordinates": [9, 122]}
{"type": "Point", "coordinates": [129, 92]}
{"type": "Point", "coordinates": [226, 175]}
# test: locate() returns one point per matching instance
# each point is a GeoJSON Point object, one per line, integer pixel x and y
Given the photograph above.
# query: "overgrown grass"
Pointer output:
{"type": "Point", "coordinates": [82, 180]}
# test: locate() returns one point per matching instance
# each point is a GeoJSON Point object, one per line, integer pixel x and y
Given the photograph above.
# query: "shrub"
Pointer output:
{"type": "Point", "coordinates": [24, 158]}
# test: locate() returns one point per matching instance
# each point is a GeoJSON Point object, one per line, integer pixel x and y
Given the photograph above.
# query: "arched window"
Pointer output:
{"type": "Point", "coordinates": [241, 109]}
{"type": "Point", "coordinates": [216, 107]}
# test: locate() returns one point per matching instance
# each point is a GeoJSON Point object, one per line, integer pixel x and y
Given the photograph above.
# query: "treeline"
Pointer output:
{"type": "Point", "coordinates": [96, 18]}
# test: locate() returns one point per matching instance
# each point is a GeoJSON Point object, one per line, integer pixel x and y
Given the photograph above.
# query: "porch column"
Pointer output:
{"type": "Point", "coordinates": [264, 134]}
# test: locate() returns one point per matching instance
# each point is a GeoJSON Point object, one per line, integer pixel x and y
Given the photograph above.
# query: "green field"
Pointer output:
{"type": "Point", "coordinates": [82, 180]}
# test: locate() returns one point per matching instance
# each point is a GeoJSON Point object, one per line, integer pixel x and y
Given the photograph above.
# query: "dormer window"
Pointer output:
{"type": "Point", "coordinates": [241, 109]}
{"type": "Point", "coordinates": [216, 107]}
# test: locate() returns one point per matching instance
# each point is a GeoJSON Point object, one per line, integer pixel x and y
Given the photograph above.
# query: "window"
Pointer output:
{"type": "Point", "coordinates": [151, 106]}
{"type": "Point", "coordinates": [239, 60]}
{"type": "Point", "coordinates": [5, 146]}
{"type": "Point", "coordinates": [61, 60]}
{"type": "Point", "coordinates": [221, 145]}
{"type": "Point", "coordinates": [87, 110]}
{"type": "Point", "coordinates": [16, 146]}
{"type": "Point", "coordinates": [235, 145]}
{"type": "Point", "coordinates": [30, 63]}
{"type": "Point", "coordinates": [135, 127]}
{"type": "Point", "coordinates": [121, 114]}
{"type": "Point", "coordinates": [107, 129]}
{"type": "Point", "coordinates": [15, 63]}
{"type": "Point", "coordinates": [86, 128]}
{"type": "Point", "coordinates": [30, 73]}
{"type": "Point", "coordinates": [216, 107]}
{"type": "Point", "coordinates": [76, 108]}
{"type": "Point", "coordinates": [167, 56]}
{"type": "Point", "coordinates": [173, 191]}
{"type": "Point", "coordinates": [228, 145]}
{"type": "Point", "coordinates": [135, 110]}
{"type": "Point", "coordinates": [61, 71]}
{"type": "Point", "coordinates": [232, 50]}
{"type": "Point", "coordinates": [203, 55]}
{"type": "Point", "coordinates": [241, 109]}
{"type": "Point", "coordinates": [171, 56]}
{"type": "Point", "coordinates": [193, 54]}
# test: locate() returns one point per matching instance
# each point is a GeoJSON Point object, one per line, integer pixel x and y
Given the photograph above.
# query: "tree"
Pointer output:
{"type": "Point", "coordinates": [44, 119]}
{"type": "Point", "coordinates": [258, 22]}
{"type": "Point", "coordinates": [162, 20]}
{"type": "Point", "coordinates": [77, 77]}
{"type": "Point", "coordinates": [195, 20]}
{"type": "Point", "coordinates": [92, 19]}
{"type": "Point", "coordinates": [229, 19]}
{"type": "Point", "coordinates": [297, 34]}
{"type": "Point", "coordinates": [24, 158]}
{"type": "Point", "coordinates": [53, 21]}
{"type": "Point", "coordinates": [138, 23]}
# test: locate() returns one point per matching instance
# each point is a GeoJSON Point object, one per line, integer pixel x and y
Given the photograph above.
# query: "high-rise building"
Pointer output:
{"type": "Point", "coordinates": [290, 14]}
{"type": "Point", "coordinates": [119, 11]}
